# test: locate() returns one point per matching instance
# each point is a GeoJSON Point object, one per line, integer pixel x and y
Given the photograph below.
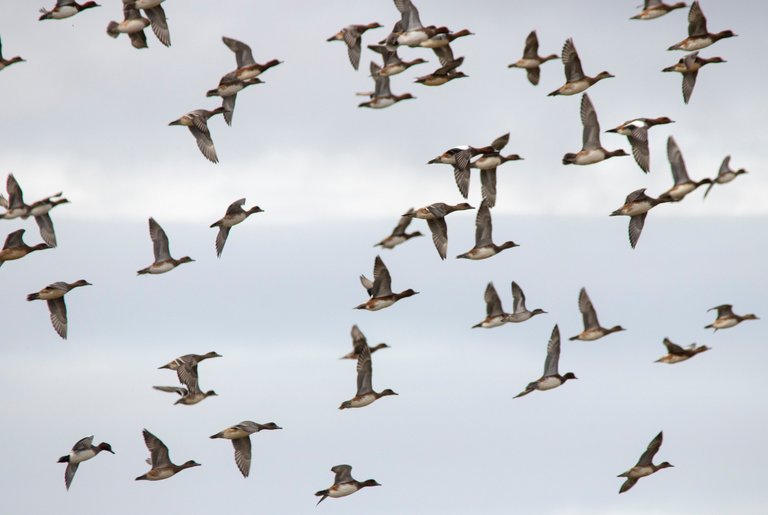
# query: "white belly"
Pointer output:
{"type": "Point", "coordinates": [487, 163]}
{"type": "Point", "coordinates": [637, 208]}
{"type": "Point", "coordinates": [412, 38]}
{"type": "Point", "coordinates": [725, 324]}
{"type": "Point", "coordinates": [548, 383]}
{"type": "Point", "coordinates": [40, 210]}
{"type": "Point", "coordinates": [233, 220]}
{"type": "Point", "coordinates": [81, 456]}
{"type": "Point", "coordinates": [679, 192]}
{"type": "Point", "coordinates": [652, 14]}
{"type": "Point", "coordinates": [382, 102]}
{"type": "Point", "coordinates": [590, 335]}
{"type": "Point", "coordinates": [342, 490]}
{"type": "Point", "coordinates": [147, 4]}
{"type": "Point", "coordinates": [132, 26]}
{"type": "Point", "coordinates": [392, 242]}
{"type": "Point", "coordinates": [637, 472]}
{"type": "Point", "coordinates": [392, 69]}
{"type": "Point", "coordinates": [434, 43]}
{"type": "Point", "coordinates": [588, 157]}
{"type": "Point", "coordinates": [14, 213]}
{"type": "Point", "coordinates": [365, 400]}
{"type": "Point", "coordinates": [51, 294]}
{"type": "Point", "coordinates": [725, 178]}
{"type": "Point", "coordinates": [493, 322]}
{"type": "Point", "coordinates": [64, 12]}
{"type": "Point", "coordinates": [527, 63]}
{"type": "Point", "coordinates": [573, 88]}
{"type": "Point", "coordinates": [696, 44]}
{"type": "Point", "coordinates": [381, 304]}
{"type": "Point", "coordinates": [161, 268]}
{"type": "Point", "coordinates": [482, 253]}
{"type": "Point", "coordinates": [229, 89]}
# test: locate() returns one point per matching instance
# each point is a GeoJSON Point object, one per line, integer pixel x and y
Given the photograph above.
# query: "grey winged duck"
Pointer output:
{"type": "Point", "coordinates": [531, 60]}
{"type": "Point", "coordinates": [552, 377]}
{"type": "Point", "coordinates": [689, 67]}
{"type": "Point", "coordinates": [727, 318]}
{"type": "Point", "coordinates": [352, 36]}
{"type": "Point", "coordinates": [197, 123]}
{"type": "Point", "coordinates": [592, 150]}
{"type": "Point", "coordinates": [160, 461]}
{"type": "Point", "coordinates": [365, 393]}
{"type": "Point", "coordinates": [698, 36]}
{"type": "Point", "coordinates": [484, 246]}
{"type": "Point", "coordinates": [676, 353]}
{"type": "Point", "coordinates": [653, 9]}
{"type": "Point", "coordinates": [82, 451]}
{"type": "Point", "coordinates": [133, 25]}
{"type": "Point", "coordinates": [435, 215]}
{"type": "Point", "coordinates": [235, 214]}
{"type": "Point", "coordinates": [725, 174]}
{"type": "Point", "coordinates": [240, 434]}
{"type": "Point", "coordinates": [343, 484]}
{"type": "Point", "coordinates": [65, 9]}
{"type": "Point", "coordinates": [399, 234]}
{"type": "Point", "coordinates": [683, 184]}
{"type": "Point", "coordinates": [592, 328]}
{"type": "Point", "coordinates": [163, 261]}
{"type": "Point", "coordinates": [53, 294]}
{"type": "Point", "coordinates": [636, 206]}
{"type": "Point", "coordinates": [575, 80]}
{"type": "Point", "coordinates": [644, 466]}
{"type": "Point", "coordinates": [380, 289]}
{"type": "Point", "coordinates": [636, 131]}
{"type": "Point", "coordinates": [15, 248]}
{"type": "Point", "coordinates": [358, 342]}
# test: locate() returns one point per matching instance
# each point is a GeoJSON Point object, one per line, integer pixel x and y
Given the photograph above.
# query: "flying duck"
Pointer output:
{"type": "Point", "coordinates": [676, 354]}
{"type": "Point", "coordinates": [82, 451]}
{"type": "Point", "coordinates": [382, 96]}
{"type": "Point", "coordinates": [162, 468]}
{"type": "Point", "coordinates": [689, 67]}
{"type": "Point", "coordinates": [380, 289]}
{"type": "Point", "coordinates": [352, 35]}
{"type": "Point", "coordinates": [393, 65]}
{"type": "Point", "coordinates": [551, 378]}
{"type": "Point", "coordinates": [133, 24]}
{"type": "Point", "coordinates": [698, 37]}
{"type": "Point", "coordinates": [54, 295]}
{"type": "Point", "coordinates": [591, 150]}
{"type": "Point", "coordinates": [636, 206]}
{"type": "Point", "coordinates": [163, 260]}
{"type": "Point", "coordinates": [636, 132]}
{"type": "Point", "coordinates": [343, 484]}
{"type": "Point", "coordinates": [435, 215]}
{"type": "Point", "coordinates": [4, 63]}
{"type": "Point", "coordinates": [234, 215]}
{"type": "Point", "coordinates": [656, 8]}
{"type": "Point", "coordinates": [531, 60]}
{"type": "Point", "coordinates": [358, 342]}
{"type": "Point", "coordinates": [197, 122]}
{"type": "Point", "coordinates": [241, 441]}
{"type": "Point", "coordinates": [157, 19]}
{"type": "Point", "coordinates": [247, 67]}
{"type": "Point", "coordinates": [645, 466]}
{"type": "Point", "coordinates": [575, 80]}
{"type": "Point", "coordinates": [683, 184]}
{"type": "Point", "coordinates": [15, 248]}
{"type": "Point", "coordinates": [365, 393]}
{"type": "Point", "coordinates": [399, 235]}
{"type": "Point", "coordinates": [592, 330]}
{"type": "Point", "coordinates": [726, 317]}
{"type": "Point", "coordinates": [725, 175]}
{"type": "Point", "coordinates": [484, 246]}
{"type": "Point", "coordinates": [65, 9]}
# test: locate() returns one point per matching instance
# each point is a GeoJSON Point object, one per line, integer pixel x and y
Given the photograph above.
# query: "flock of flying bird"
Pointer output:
{"type": "Point", "coordinates": [409, 32]}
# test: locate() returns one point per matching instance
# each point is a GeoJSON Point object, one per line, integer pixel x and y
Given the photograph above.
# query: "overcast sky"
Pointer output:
{"type": "Point", "coordinates": [88, 115]}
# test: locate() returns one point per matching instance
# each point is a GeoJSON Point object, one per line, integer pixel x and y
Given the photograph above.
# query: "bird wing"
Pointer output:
{"type": "Point", "coordinates": [531, 50]}
{"type": "Point", "coordinates": [409, 14]}
{"type": "Point", "coordinates": [15, 239]}
{"type": "Point", "coordinates": [518, 299]}
{"type": "Point", "coordinates": [439, 230]}
{"type": "Point", "coordinates": [159, 24]}
{"type": "Point", "coordinates": [243, 54]}
{"type": "Point", "coordinates": [638, 138]}
{"type": "Point", "coordinates": [483, 226]}
{"type": "Point", "coordinates": [58, 309]}
{"type": "Point", "coordinates": [158, 452]}
{"type": "Point", "coordinates": [591, 135]}
{"type": "Point", "coordinates": [242, 454]}
{"type": "Point", "coordinates": [15, 194]}
{"type": "Point", "coordinates": [588, 312]}
{"type": "Point", "coordinates": [221, 239]}
{"type": "Point", "coordinates": [571, 61]}
{"type": "Point", "coordinates": [343, 474]}
{"type": "Point", "coordinates": [636, 224]}
{"type": "Point", "coordinates": [353, 39]}
{"type": "Point", "coordinates": [488, 186]}
{"type": "Point", "coordinates": [47, 233]}
{"type": "Point", "coordinates": [697, 22]}
{"type": "Point", "coordinates": [69, 473]}
{"type": "Point", "coordinates": [83, 444]}
{"type": "Point", "coordinates": [679, 173]}
{"type": "Point", "coordinates": [725, 166]}
{"type": "Point", "coordinates": [462, 177]}
{"type": "Point", "coordinates": [159, 241]}
{"type": "Point", "coordinates": [364, 371]}
{"type": "Point", "coordinates": [673, 348]}
{"type": "Point", "coordinates": [689, 81]}
{"type": "Point", "coordinates": [382, 281]}
{"type": "Point", "coordinates": [499, 143]}
{"type": "Point", "coordinates": [204, 143]}
{"type": "Point", "coordinates": [647, 458]}
{"type": "Point", "coordinates": [553, 353]}
{"type": "Point", "coordinates": [403, 224]}
{"type": "Point", "coordinates": [236, 207]}
{"type": "Point", "coordinates": [492, 301]}
{"type": "Point", "coordinates": [188, 377]}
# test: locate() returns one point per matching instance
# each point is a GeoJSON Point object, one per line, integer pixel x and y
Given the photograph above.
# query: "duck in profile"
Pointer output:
{"type": "Point", "coordinates": [157, 19]}
{"type": "Point", "coordinates": [5, 63]}
{"type": "Point", "coordinates": [393, 65]}
{"type": "Point", "coordinates": [689, 66]}
{"type": "Point", "coordinates": [459, 157]}
{"type": "Point", "coordinates": [365, 393]}
{"type": "Point", "coordinates": [575, 80]}
{"type": "Point", "coordinates": [676, 353]}
{"type": "Point", "coordinates": [592, 329]}
{"type": "Point", "coordinates": [725, 175]}
{"type": "Point", "coordinates": [343, 484]}
{"type": "Point", "coordinates": [435, 215]}
{"type": "Point", "coordinates": [40, 210]}
{"type": "Point", "coordinates": [636, 206]}
{"type": "Point", "coordinates": [551, 378]}
{"type": "Point", "coordinates": [15, 248]}
{"type": "Point", "coordinates": [382, 96]}
{"type": "Point", "coordinates": [240, 434]}
{"type": "Point", "coordinates": [235, 214]}
{"type": "Point", "coordinates": [636, 132]}
{"type": "Point", "coordinates": [645, 466]}
{"type": "Point", "coordinates": [653, 9]}
{"type": "Point", "coordinates": [399, 234]}
{"type": "Point", "coordinates": [188, 361]}
{"type": "Point", "coordinates": [531, 60]}
{"type": "Point", "coordinates": [380, 289]}
{"type": "Point", "coordinates": [727, 318]}
{"type": "Point", "coordinates": [163, 260]}
{"type": "Point", "coordinates": [82, 451]}
{"type": "Point", "coordinates": [698, 36]}
{"type": "Point", "coordinates": [54, 295]}
{"type": "Point", "coordinates": [352, 35]}
{"type": "Point", "coordinates": [358, 342]}
{"type": "Point", "coordinates": [247, 67]}
{"type": "Point", "coordinates": [228, 87]}
{"type": "Point", "coordinates": [65, 9]}
{"type": "Point", "coordinates": [683, 184]}
{"type": "Point", "coordinates": [519, 312]}
{"type": "Point", "coordinates": [409, 30]}
{"type": "Point", "coordinates": [197, 123]}
{"type": "Point", "coordinates": [162, 467]}
{"type": "Point", "coordinates": [487, 164]}
{"type": "Point", "coordinates": [133, 25]}
{"type": "Point", "coordinates": [591, 150]}
{"type": "Point", "coordinates": [484, 246]}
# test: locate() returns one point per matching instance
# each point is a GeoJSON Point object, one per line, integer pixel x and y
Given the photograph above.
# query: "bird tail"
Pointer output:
{"type": "Point", "coordinates": [33, 296]}
{"type": "Point", "coordinates": [63, 459]}
{"type": "Point", "coordinates": [322, 494]}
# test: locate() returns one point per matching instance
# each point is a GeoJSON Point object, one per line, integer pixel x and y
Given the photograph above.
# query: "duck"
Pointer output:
{"type": "Point", "coordinates": [645, 466]}
{"type": "Point", "coordinates": [188, 360]}
{"type": "Point", "coordinates": [591, 150]}
{"type": "Point", "coordinates": [531, 60]}
{"type": "Point", "coordinates": [636, 206]}
{"type": "Point", "coordinates": [365, 393]}
{"type": "Point", "coordinates": [411, 32]}
{"type": "Point", "coordinates": [352, 35]}
{"type": "Point", "coordinates": [636, 131]}
{"type": "Point", "coordinates": [40, 211]}
{"type": "Point", "coordinates": [192, 394]}
{"type": "Point", "coordinates": [82, 451]}
{"type": "Point", "coordinates": [163, 260]}
{"type": "Point", "coordinates": [247, 67]}
{"type": "Point", "coordinates": [487, 164]}
{"type": "Point", "coordinates": [494, 313]}
{"type": "Point", "coordinates": [235, 214]}
{"type": "Point", "coordinates": [54, 295]}
{"type": "Point", "coordinates": [683, 184]}
{"type": "Point", "coordinates": [382, 96]}
{"type": "Point", "coordinates": [358, 342]}
{"type": "Point", "coordinates": [393, 65]}
{"type": "Point", "coordinates": [698, 37]}
{"type": "Point", "coordinates": [380, 289]}
{"type": "Point", "coordinates": [447, 71]}
{"type": "Point", "coordinates": [459, 157]}
{"type": "Point", "coordinates": [726, 318]}
{"type": "Point", "coordinates": [575, 80]}
{"type": "Point", "coordinates": [14, 205]}
{"type": "Point", "coordinates": [435, 215]}
{"type": "Point", "coordinates": [241, 441]}
{"type": "Point", "coordinates": [157, 19]}
{"type": "Point", "coordinates": [133, 24]}
{"type": "Point", "coordinates": [519, 312]}
{"type": "Point", "coordinates": [228, 87]}
{"type": "Point", "coordinates": [444, 38]}
{"type": "Point", "coordinates": [65, 9]}
{"type": "Point", "coordinates": [653, 9]}
{"type": "Point", "coordinates": [5, 63]}
{"type": "Point", "coordinates": [197, 123]}
{"type": "Point", "coordinates": [399, 234]}
{"type": "Point", "coordinates": [676, 354]}
{"type": "Point", "coordinates": [343, 484]}
{"type": "Point", "coordinates": [592, 329]}
{"type": "Point", "coordinates": [484, 246]}
{"type": "Point", "coordinates": [551, 378]}
{"type": "Point", "coordinates": [162, 467]}
{"type": "Point", "coordinates": [725, 175]}
{"type": "Point", "coordinates": [689, 67]}
{"type": "Point", "coordinates": [15, 248]}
